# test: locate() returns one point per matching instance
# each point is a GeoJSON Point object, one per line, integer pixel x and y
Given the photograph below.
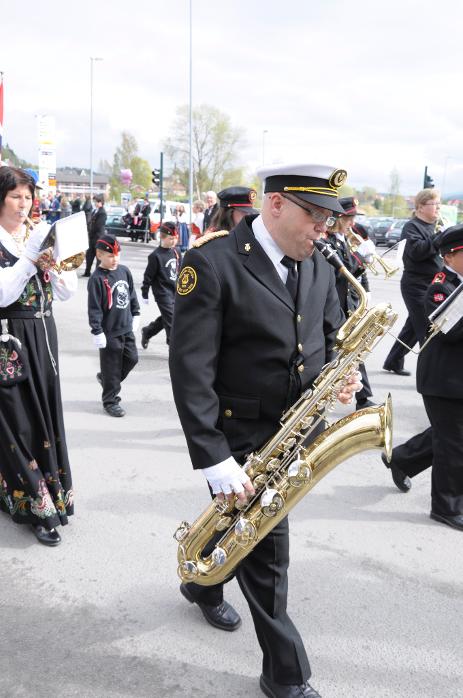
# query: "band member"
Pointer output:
{"type": "Point", "coordinates": [440, 381]}
{"type": "Point", "coordinates": [255, 319]}
{"type": "Point", "coordinates": [234, 204]}
{"type": "Point", "coordinates": [336, 237]}
{"type": "Point", "coordinates": [421, 261]}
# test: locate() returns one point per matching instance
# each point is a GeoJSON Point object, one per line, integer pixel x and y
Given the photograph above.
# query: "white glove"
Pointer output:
{"type": "Point", "coordinates": [135, 322]}
{"type": "Point", "coordinates": [99, 340]}
{"type": "Point", "coordinates": [369, 299]}
{"type": "Point", "coordinates": [226, 477]}
{"type": "Point", "coordinates": [32, 250]}
{"type": "Point", "coordinates": [145, 301]}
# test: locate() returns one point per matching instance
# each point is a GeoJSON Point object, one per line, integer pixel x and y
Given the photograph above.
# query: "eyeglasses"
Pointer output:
{"type": "Point", "coordinates": [432, 203]}
{"type": "Point", "coordinates": [316, 215]}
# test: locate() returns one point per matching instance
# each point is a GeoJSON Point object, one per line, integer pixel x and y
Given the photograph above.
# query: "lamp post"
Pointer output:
{"type": "Point", "coordinates": [92, 59]}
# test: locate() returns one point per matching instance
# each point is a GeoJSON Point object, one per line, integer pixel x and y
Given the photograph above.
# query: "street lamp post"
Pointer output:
{"type": "Point", "coordinates": [92, 58]}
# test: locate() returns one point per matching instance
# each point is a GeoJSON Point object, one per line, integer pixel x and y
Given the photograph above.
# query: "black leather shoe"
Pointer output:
{"type": "Point", "coordinates": [453, 521]}
{"type": "Point", "coordinates": [277, 690]}
{"type": "Point", "coordinates": [45, 536]}
{"type": "Point", "coordinates": [401, 481]}
{"type": "Point", "coordinates": [222, 616]}
{"type": "Point", "coordinates": [364, 403]}
{"type": "Point", "coordinates": [99, 379]}
{"type": "Point", "coordinates": [144, 338]}
{"type": "Point", "coordinates": [397, 371]}
{"type": "Point", "coordinates": [115, 410]}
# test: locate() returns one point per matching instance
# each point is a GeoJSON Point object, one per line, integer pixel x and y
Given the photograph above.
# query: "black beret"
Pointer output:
{"type": "Point", "coordinates": [108, 243]}
{"type": "Point", "coordinates": [168, 228]}
{"type": "Point", "coordinates": [349, 204]}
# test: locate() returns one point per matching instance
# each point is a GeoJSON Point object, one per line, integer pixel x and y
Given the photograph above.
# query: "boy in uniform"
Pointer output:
{"type": "Point", "coordinates": [114, 316]}
{"type": "Point", "coordinates": [161, 276]}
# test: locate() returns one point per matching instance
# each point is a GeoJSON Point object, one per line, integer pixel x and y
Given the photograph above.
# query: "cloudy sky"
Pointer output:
{"type": "Point", "coordinates": [364, 85]}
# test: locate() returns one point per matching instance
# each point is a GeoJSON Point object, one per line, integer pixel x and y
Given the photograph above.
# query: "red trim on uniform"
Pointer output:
{"type": "Point", "coordinates": [234, 205]}
{"type": "Point", "coordinates": [438, 297]}
{"type": "Point", "coordinates": [114, 248]}
{"type": "Point", "coordinates": [454, 249]}
{"type": "Point", "coordinates": [440, 277]}
{"type": "Point", "coordinates": [109, 293]}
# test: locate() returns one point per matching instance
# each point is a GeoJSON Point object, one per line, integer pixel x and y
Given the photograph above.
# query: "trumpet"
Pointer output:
{"type": "Point", "coordinates": [69, 264]}
{"type": "Point", "coordinates": [354, 241]}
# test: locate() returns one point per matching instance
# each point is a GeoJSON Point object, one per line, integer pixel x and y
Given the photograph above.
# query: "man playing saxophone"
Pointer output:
{"type": "Point", "coordinates": [256, 316]}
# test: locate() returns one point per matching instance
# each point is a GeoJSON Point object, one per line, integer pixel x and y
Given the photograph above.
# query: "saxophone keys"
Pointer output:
{"type": "Point", "coordinates": [288, 444]}
{"type": "Point", "coordinates": [187, 570]}
{"type": "Point", "coordinates": [245, 532]}
{"type": "Point", "coordinates": [299, 473]}
{"type": "Point", "coordinates": [223, 523]}
{"type": "Point", "coordinates": [219, 556]}
{"type": "Point", "coordinates": [271, 502]}
{"type": "Point", "coordinates": [182, 531]}
{"type": "Point", "coordinates": [259, 482]}
{"type": "Point", "coordinates": [273, 464]}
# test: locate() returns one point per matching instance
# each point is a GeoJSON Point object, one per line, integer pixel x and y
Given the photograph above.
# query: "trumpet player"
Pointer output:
{"type": "Point", "coordinates": [336, 236]}
{"type": "Point", "coordinates": [255, 319]}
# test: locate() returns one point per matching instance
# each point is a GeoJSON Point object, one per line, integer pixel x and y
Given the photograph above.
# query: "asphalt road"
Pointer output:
{"type": "Point", "coordinates": [375, 585]}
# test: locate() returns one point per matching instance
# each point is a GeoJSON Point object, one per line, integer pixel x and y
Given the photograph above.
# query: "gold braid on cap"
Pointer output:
{"type": "Point", "coordinates": [321, 191]}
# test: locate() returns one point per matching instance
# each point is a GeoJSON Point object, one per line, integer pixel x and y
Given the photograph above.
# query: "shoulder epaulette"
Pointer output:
{"type": "Point", "coordinates": [439, 278]}
{"type": "Point", "coordinates": [210, 236]}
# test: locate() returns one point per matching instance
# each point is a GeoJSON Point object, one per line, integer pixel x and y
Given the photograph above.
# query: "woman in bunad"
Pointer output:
{"type": "Point", "coordinates": [35, 477]}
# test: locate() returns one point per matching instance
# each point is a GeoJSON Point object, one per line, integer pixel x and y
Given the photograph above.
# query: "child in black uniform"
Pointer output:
{"type": "Point", "coordinates": [114, 316]}
{"type": "Point", "coordinates": [161, 276]}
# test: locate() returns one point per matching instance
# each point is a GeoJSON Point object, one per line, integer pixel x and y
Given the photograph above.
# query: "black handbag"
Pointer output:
{"type": "Point", "coordinates": [12, 360]}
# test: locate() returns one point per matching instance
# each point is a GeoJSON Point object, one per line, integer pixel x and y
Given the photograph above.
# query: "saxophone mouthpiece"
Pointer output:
{"type": "Point", "coordinates": [328, 253]}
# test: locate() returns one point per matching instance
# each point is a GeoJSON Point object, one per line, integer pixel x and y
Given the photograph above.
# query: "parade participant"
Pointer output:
{"type": "Point", "coordinates": [421, 261]}
{"type": "Point", "coordinates": [211, 210]}
{"type": "Point", "coordinates": [197, 222]}
{"type": "Point", "coordinates": [336, 237]}
{"type": "Point", "coordinates": [234, 204]}
{"type": "Point", "coordinates": [440, 381]}
{"type": "Point", "coordinates": [96, 229]}
{"type": "Point", "coordinates": [161, 276]}
{"type": "Point", "coordinates": [255, 319]}
{"type": "Point", "coordinates": [114, 316]}
{"type": "Point", "coordinates": [35, 476]}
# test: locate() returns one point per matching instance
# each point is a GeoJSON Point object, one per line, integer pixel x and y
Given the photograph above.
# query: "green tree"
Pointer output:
{"type": "Point", "coordinates": [126, 157]}
{"type": "Point", "coordinates": [394, 203]}
{"type": "Point", "coordinates": [215, 144]}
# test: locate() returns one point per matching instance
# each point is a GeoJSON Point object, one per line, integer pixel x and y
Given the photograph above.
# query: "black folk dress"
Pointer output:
{"type": "Point", "coordinates": [35, 477]}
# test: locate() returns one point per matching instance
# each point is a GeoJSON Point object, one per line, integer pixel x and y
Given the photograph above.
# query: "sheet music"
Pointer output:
{"type": "Point", "coordinates": [450, 311]}
{"type": "Point", "coordinates": [71, 236]}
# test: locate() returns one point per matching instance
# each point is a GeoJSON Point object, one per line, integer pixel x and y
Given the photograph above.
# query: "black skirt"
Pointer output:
{"type": "Point", "coordinates": [35, 477]}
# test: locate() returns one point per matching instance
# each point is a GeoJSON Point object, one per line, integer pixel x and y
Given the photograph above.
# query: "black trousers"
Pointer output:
{"type": "Point", "coordinates": [117, 359]}
{"type": "Point", "coordinates": [365, 392]}
{"type": "Point", "coordinates": [89, 257]}
{"type": "Point", "coordinates": [395, 359]}
{"type": "Point", "coordinates": [413, 293]}
{"type": "Point", "coordinates": [166, 308]}
{"type": "Point", "coordinates": [439, 446]}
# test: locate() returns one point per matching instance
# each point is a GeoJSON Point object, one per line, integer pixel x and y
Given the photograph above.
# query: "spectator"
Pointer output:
{"type": "Point", "coordinates": [211, 209]}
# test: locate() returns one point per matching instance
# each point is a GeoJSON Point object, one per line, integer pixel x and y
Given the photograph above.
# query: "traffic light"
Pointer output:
{"type": "Point", "coordinates": [156, 179]}
{"type": "Point", "coordinates": [428, 182]}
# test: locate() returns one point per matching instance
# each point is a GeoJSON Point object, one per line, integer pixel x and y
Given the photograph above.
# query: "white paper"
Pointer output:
{"type": "Point", "coordinates": [71, 236]}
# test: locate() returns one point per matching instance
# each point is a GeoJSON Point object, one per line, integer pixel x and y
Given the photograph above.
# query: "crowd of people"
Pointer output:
{"type": "Point", "coordinates": [251, 310]}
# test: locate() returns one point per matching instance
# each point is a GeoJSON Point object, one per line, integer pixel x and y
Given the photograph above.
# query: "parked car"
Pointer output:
{"type": "Point", "coordinates": [394, 233]}
{"type": "Point", "coordinates": [366, 222]}
{"type": "Point", "coordinates": [115, 225]}
{"type": "Point", "coordinates": [380, 228]}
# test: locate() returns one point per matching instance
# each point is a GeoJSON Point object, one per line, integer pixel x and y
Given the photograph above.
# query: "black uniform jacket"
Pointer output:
{"type": "Point", "coordinates": [97, 224]}
{"type": "Point", "coordinates": [112, 301]}
{"type": "Point", "coordinates": [347, 295]}
{"type": "Point", "coordinates": [421, 258]}
{"type": "Point", "coordinates": [236, 335]}
{"type": "Point", "coordinates": [439, 370]}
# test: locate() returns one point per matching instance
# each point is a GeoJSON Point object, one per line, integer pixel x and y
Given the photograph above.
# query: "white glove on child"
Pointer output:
{"type": "Point", "coordinates": [226, 477]}
{"type": "Point", "coordinates": [32, 250]}
{"type": "Point", "coordinates": [135, 323]}
{"type": "Point", "coordinates": [145, 301]}
{"type": "Point", "coordinates": [99, 340]}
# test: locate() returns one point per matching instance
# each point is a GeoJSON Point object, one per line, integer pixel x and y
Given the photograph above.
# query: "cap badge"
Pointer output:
{"type": "Point", "coordinates": [252, 196]}
{"type": "Point", "coordinates": [186, 281]}
{"type": "Point", "coordinates": [337, 179]}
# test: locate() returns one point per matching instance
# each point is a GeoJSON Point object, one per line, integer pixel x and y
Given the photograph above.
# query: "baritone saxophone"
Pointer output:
{"type": "Point", "coordinates": [285, 469]}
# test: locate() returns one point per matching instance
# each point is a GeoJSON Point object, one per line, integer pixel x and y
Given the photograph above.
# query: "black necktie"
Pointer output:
{"type": "Point", "coordinates": [291, 281]}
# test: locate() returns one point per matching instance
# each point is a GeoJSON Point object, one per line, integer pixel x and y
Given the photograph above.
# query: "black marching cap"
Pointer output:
{"type": "Point", "coordinates": [241, 198]}
{"type": "Point", "coordinates": [450, 240]}
{"type": "Point", "coordinates": [108, 243]}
